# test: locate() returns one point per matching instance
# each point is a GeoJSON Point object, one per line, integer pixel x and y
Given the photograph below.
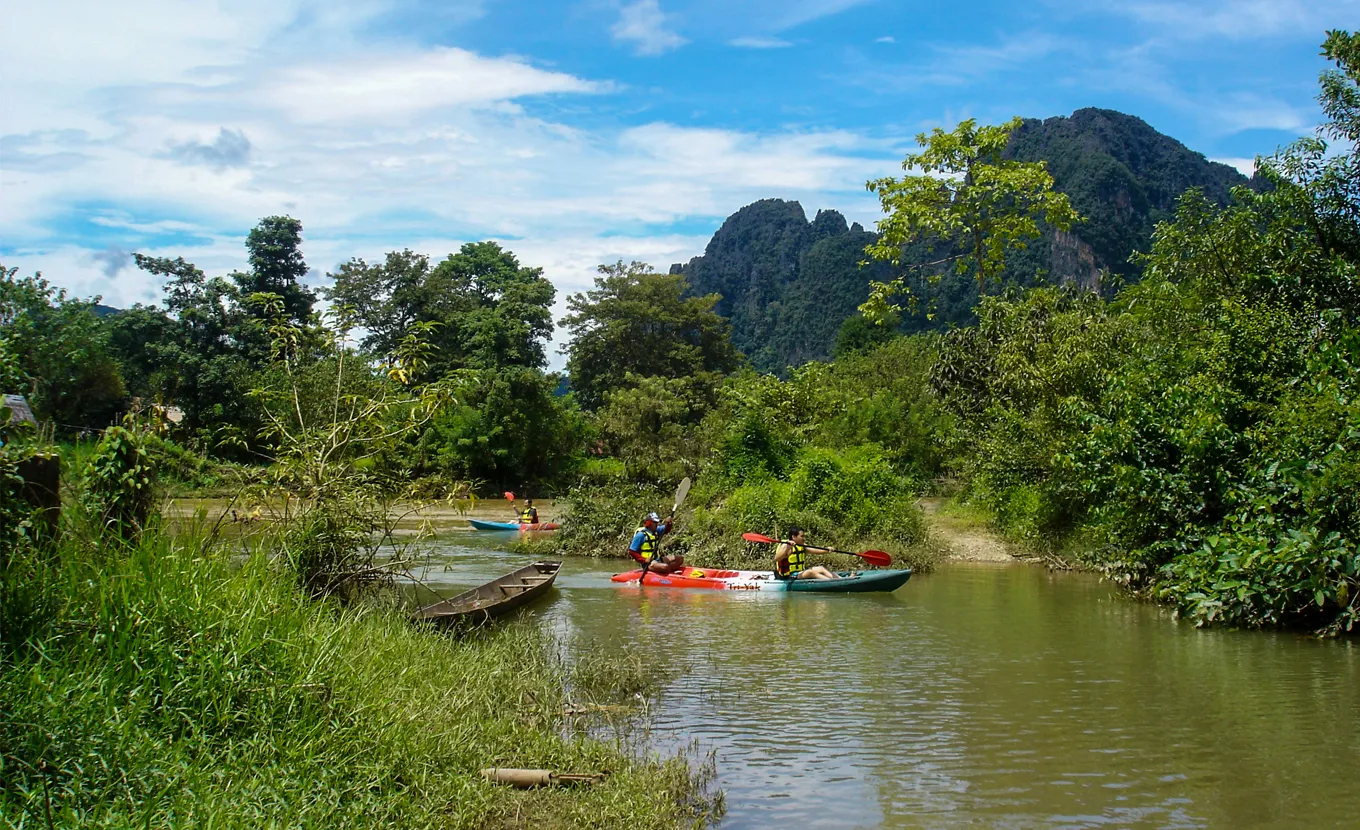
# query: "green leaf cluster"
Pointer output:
{"type": "Point", "coordinates": [59, 353]}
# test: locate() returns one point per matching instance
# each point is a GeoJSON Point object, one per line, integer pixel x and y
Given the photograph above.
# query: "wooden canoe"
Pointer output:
{"type": "Point", "coordinates": [497, 597]}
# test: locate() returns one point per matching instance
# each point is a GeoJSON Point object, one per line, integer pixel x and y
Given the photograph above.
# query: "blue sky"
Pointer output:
{"type": "Point", "coordinates": [577, 132]}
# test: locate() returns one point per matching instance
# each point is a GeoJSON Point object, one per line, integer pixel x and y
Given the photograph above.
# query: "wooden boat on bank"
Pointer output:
{"type": "Point", "coordinates": [495, 598]}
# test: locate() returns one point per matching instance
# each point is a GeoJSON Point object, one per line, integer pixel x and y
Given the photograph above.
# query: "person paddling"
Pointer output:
{"type": "Point", "coordinates": [790, 559]}
{"type": "Point", "coordinates": [528, 514]}
{"type": "Point", "coordinates": [645, 547]}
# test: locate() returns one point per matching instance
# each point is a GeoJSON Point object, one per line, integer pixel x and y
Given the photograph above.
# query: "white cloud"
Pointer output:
{"type": "Point", "coordinates": [798, 12]}
{"type": "Point", "coordinates": [1235, 19]}
{"type": "Point", "coordinates": [359, 87]}
{"type": "Point", "coordinates": [885, 39]}
{"type": "Point", "coordinates": [951, 65]}
{"type": "Point", "coordinates": [647, 27]}
{"type": "Point", "coordinates": [759, 42]}
{"type": "Point", "coordinates": [373, 147]}
{"type": "Point", "coordinates": [1236, 113]}
{"type": "Point", "coordinates": [1247, 167]}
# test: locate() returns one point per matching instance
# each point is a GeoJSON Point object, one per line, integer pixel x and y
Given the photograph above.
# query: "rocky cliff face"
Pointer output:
{"type": "Point", "coordinates": [1122, 175]}
{"type": "Point", "coordinates": [786, 283]}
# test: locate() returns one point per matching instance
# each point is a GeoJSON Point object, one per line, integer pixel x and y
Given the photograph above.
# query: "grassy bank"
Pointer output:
{"type": "Point", "coordinates": [168, 683]}
{"type": "Point", "coordinates": [164, 686]}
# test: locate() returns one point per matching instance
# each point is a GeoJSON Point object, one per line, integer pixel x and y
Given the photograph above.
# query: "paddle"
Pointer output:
{"type": "Point", "coordinates": [681, 493]}
{"type": "Point", "coordinates": [873, 557]}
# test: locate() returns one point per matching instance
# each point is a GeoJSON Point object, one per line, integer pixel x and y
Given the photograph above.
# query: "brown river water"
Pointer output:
{"type": "Point", "coordinates": [990, 695]}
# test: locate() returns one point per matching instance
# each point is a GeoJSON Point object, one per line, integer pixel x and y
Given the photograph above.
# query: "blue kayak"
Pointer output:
{"type": "Point", "coordinates": [478, 524]}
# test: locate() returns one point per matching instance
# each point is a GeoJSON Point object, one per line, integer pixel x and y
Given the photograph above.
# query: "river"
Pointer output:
{"type": "Point", "coordinates": [986, 695]}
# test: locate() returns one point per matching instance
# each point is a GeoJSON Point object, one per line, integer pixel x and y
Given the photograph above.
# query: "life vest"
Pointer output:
{"type": "Point", "coordinates": [648, 550]}
{"type": "Point", "coordinates": [528, 516]}
{"type": "Point", "coordinates": [796, 563]}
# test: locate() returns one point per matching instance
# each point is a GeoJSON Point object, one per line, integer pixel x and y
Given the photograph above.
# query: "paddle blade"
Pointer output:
{"type": "Point", "coordinates": [880, 558]}
{"type": "Point", "coordinates": [680, 493]}
{"type": "Point", "coordinates": [758, 539]}
{"type": "Point", "coordinates": [509, 496]}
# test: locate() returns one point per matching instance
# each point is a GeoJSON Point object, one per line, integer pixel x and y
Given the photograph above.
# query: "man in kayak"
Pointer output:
{"type": "Point", "coordinates": [790, 559]}
{"type": "Point", "coordinates": [528, 515]}
{"type": "Point", "coordinates": [646, 544]}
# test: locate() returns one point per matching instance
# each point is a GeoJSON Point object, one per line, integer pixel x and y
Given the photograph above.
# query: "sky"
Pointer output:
{"type": "Point", "coordinates": [573, 133]}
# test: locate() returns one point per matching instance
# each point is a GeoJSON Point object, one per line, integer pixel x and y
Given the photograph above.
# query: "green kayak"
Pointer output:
{"type": "Point", "coordinates": [852, 582]}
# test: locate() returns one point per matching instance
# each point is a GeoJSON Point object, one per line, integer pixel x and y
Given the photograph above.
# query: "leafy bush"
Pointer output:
{"type": "Point", "coordinates": [600, 520]}
{"type": "Point", "coordinates": [121, 487]}
{"type": "Point", "coordinates": [507, 428]}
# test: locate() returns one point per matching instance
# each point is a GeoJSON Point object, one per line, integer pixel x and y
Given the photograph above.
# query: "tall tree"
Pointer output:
{"type": "Point", "coordinates": [277, 266]}
{"type": "Point", "coordinates": [1324, 179]}
{"type": "Point", "coordinates": [490, 312]}
{"type": "Point", "coordinates": [966, 197]}
{"type": "Point", "coordinates": [194, 354]}
{"type": "Point", "coordinates": [639, 322]}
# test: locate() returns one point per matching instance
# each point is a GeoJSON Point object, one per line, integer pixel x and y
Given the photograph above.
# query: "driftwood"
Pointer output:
{"type": "Point", "coordinates": [526, 778]}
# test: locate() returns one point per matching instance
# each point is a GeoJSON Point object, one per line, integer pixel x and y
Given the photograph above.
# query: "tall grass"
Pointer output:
{"type": "Point", "coordinates": [164, 683]}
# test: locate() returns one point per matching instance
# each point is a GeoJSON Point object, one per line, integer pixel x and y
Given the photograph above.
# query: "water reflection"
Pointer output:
{"type": "Point", "coordinates": [1002, 697]}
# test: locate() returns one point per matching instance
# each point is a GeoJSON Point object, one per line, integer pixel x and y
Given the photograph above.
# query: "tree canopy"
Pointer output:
{"type": "Point", "coordinates": [61, 346]}
{"type": "Point", "coordinates": [488, 310]}
{"type": "Point", "coordinates": [966, 195]}
{"type": "Point", "coordinates": [277, 266]}
{"type": "Point", "coordinates": [637, 321]}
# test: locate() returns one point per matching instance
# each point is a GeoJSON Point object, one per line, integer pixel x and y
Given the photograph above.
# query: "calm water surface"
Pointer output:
{"type": "Point", "coordinates": [976, 696]}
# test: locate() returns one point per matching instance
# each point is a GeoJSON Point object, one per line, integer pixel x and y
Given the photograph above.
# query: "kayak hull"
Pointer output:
{"type": "Point", "coordinates": [717, 579]}
{"type": "Point", "coordinates": [479, 524]}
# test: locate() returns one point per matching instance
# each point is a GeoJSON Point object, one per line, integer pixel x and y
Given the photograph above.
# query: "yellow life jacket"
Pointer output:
{"type": "Point", "coordinates": [648, 549]}
{"type": "Point", "coordinates": [527, 515]}
{"type": "Point", "coordinates": [796, 563]}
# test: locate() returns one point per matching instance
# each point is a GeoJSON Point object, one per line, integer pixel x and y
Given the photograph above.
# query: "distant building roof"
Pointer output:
{"type": "Point", "coordinates": [19, 410]}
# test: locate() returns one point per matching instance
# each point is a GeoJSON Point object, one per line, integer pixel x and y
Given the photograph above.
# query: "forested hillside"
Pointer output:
{"type": "Point", "coordinates": [788, 284]}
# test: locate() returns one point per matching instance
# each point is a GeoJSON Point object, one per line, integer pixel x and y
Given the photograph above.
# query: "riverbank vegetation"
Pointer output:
{"type": "Point", "coordinates": [1190, 434]}
{"type": "Point", "coordinates": [156, 680]}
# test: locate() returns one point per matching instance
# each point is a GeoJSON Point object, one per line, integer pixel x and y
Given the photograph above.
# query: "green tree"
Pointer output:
{"type": "Point", "coordinates": [645, 424]}
{"type": "Point", "coordinates": [857, 334]}
{"type": "Point", "coordinates": [1321, 179]}
{"type": "Point", "coordinates": [507, 428]}
{"type": "Point", "coordinates": [62, 345]}
{"type": "Point", "coordinates": [489, 311]}
{"type": "Point", "coordinates": [194, 354]}
{"type": "Point", "coordinates": [639, 322]}
{"type": "Point", "coordinates": [966, 196]}
{"type": "Point", "coordinates": [277, 267]}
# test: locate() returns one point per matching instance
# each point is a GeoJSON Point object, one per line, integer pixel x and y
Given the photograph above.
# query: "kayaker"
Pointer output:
{"type": "Point", "coordinates": [645, 546]}
{"type": "Point", "coordinates": [790, 559]}
{"type": "Point", "coordinates": [528, 515]}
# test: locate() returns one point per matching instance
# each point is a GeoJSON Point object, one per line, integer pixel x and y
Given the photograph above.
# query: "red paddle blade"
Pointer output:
{"type": "Point", "coordinates": [877, 557]}
{"type": "Point", "coordinates": [756, 537]}
{"type": "Point", "coordinates": [509, 496]}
